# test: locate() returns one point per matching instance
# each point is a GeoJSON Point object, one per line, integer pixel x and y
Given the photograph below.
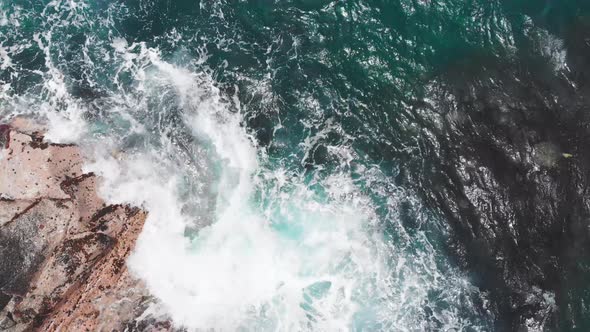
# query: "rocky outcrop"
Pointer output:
{"type": "Point", "coordinates": [62, 249]}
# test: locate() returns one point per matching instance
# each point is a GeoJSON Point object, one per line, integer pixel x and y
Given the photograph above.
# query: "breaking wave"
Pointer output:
{"type": "Point", "coordinates": [238, 237]}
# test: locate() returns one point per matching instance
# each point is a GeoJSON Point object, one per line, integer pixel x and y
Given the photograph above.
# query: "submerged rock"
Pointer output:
{"type": "Point", "coordinates": [62, 248]}
{"type": "Point", "coordinates": [512, 179]}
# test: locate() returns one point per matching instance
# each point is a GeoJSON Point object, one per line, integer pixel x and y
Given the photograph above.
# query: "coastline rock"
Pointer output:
{"type": "Point", "coordinates": [62, 248]}
{"type": "Point", "coordinates": [34, 169]}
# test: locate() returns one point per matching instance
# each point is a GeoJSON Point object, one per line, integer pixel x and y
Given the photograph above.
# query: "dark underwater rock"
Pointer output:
{"type": "Point", "coordinates": [508, 145]}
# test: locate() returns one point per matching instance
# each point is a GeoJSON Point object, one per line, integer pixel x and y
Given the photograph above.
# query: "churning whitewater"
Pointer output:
{"type": "Point", "coordinates": [269, 210]}
{"type": "Point", "coordinates": [262, 248]}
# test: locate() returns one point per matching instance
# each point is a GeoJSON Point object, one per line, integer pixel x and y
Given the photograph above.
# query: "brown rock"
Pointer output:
{"type": "Point", "coordinates": [10, 208]}
{"type": "Point", "coordinates": [26, 125]}
{"type": "Point", "coordinates": [26, 240]}
{"type": "Point", "coordinates": [110, 296]}
{"type": "Point", "coordinates": [63, 250]}
{"type": "Point", "coordinates": [32, 169]}
{"type": "Point", "coordinates": [83, 190]}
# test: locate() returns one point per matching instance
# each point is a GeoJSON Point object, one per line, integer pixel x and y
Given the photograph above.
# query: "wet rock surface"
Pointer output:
{"type": "Point", "coordinates": [63, 250]}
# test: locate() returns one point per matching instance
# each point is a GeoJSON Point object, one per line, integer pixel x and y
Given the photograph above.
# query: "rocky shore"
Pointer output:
{"type": "Point", "coordinates": [62, 248]}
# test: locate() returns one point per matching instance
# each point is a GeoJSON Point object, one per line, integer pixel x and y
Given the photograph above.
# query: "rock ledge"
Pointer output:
{"type": "Point", "coordinates": [62, 249]}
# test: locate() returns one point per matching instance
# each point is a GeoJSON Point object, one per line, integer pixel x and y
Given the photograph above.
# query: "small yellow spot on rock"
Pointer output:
{"type": "Point", "coordinates": [567, 155]}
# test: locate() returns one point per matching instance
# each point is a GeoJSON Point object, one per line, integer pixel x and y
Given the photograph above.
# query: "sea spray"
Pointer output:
{"type": "Point", "coordinates": [245, 269]}
{"type": "Point", "coordinates": [278, 255]}
{"type": "Point", "coordinates": [240, 234]}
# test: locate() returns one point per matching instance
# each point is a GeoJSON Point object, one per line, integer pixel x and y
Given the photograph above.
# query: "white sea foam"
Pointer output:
{"type": "Point", "coordinates": [241, 271]}
{"type": "Point", "coordinates": [553, 48]}
{"type": "Point", "coordinates": [278, 251]}
{"type": "Point", "coordinates": [301, 261]}
{"type": "Point", "coordinates": [549, 45]}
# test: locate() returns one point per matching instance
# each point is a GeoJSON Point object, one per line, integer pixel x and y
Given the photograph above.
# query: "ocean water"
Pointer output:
{"type": "Point", "coordinates": [277, 147]}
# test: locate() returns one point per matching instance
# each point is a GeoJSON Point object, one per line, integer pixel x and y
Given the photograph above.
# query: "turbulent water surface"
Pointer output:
{"type": "Point", "coordinates": [329, 165]}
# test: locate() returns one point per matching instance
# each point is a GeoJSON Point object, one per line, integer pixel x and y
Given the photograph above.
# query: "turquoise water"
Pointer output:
{"type": "Point", "coordinates": [271, 142]}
